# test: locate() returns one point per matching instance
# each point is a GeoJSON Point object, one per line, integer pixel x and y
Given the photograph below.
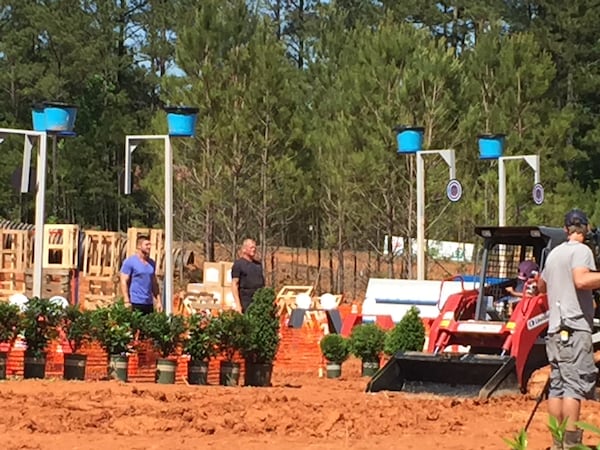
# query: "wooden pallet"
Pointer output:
{"type": "Point", "coordinates": [54, 282]}
{"type": "Point", "coordinates": [61, 246]}
{"type": "Point", "coordinates": [286, 298]}
{"type": "Point", "coordinates": [99, 291]}
{"type": "Point", "coordinates": [15, 250]}
{"type": "Point", "coordinates": [102, 253]}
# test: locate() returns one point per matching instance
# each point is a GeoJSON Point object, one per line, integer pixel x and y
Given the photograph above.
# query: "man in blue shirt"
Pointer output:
{"type": "Point", "coordinates": [138, 279]}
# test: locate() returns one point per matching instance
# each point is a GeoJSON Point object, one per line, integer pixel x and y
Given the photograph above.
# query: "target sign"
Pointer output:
{"type": "Point", "coordinates": [454, 190]}
{"type": "Point", "coordinates": [538, 193]}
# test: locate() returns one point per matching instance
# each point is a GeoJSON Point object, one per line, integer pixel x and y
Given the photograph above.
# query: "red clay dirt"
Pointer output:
{"type": "Point", "coordinates": [298, 412]}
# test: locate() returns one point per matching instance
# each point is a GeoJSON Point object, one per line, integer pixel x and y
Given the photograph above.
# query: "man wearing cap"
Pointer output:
{"type": "Point", "coordinates": [568, 278]}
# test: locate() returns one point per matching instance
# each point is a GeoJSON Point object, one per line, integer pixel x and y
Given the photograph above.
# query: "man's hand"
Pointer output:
{"type": "Point", "coordinates": [158, 305]}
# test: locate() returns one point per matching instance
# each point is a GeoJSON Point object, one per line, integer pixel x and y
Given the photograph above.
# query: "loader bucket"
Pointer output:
{"type": "Point", "coordinates": [463, 374]}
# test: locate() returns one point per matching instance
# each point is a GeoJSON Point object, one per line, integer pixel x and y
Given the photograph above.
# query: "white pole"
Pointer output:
{"type": "Point", "coordinates": [168, 226]}
{"type": "Point", "coordinates": [501, 193]}
{"type": "Point", "coordinates": [38, 256]}
{"type": "Point", "coordinates": [420, 217]}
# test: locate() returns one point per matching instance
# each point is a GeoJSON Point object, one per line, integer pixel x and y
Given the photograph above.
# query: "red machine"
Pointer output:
{"type": "Point", "coordinates": [502, 342]}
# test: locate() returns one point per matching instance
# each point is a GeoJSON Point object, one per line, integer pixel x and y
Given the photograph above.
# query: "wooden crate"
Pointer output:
{"type": "Point", "coordinates": [15, 250]}
{"type": "Point", "coordinates": [286, 298]}
{"type": "Point", "coordinates": [61, 246]}
{"type": "Point", "coordinates": [96, 292]}
{"type": "Point", "coordinates": [101, 254]}
{"type": "Point", "coordinates": [157, 243]}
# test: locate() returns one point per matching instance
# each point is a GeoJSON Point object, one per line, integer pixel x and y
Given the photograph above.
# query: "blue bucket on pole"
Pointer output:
{"type": "Point", "coordinates": [60, 117]}
{"type": "Point", "coordinates": [38, 117]}
{"type": "Point", "coordinates": [181, 120]}
{"type": "Point", "coordinates": [409, 138]}
{"type": "Point", "coordinates": [491, 146]}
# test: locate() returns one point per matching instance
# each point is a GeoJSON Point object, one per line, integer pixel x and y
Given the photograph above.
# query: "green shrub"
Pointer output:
{"type": "Point", "coordinates": [335, 348]}
{"type": "Point", "coordinates": [39, 325]}
{"type": "Point", "coordinates": [10, 321]}
{"type": "Point", "coordinates": [164, 330]}
{"type": "Point", "coordinates": [366, 341]}
{"type": "Point", "coordinates": [200, 343]}
{"type": "Point", "coordinates": [407, 335]}
{"type": "Point", "coordinates": [231, 333]}
{"type": "Point", "coordinates": [77, 326]}
{"type": "Point", "coordinates": [115, 327]}
{"type": "Point", "coordinates": [262, 342]}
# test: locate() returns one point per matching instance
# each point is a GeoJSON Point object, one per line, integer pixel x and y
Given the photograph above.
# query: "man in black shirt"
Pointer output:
{"type": "Point", "coordinates": [246, 276]}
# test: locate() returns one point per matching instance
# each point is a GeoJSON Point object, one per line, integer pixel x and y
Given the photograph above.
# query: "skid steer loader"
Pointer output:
{"type": "Point", "coordinates": [501, 343]}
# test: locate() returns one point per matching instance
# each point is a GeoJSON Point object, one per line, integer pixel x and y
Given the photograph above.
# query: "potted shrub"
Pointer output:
{"type": "Point", "coordinates": [230, 330]}
{"type": "Point", "coordinates": [10, 320]}
{"type": "Point", "coordinates": [407, 335]}
{"type": "Point", "coordinates": [201, 345]}
{"type": "Point", "coordinates": [39, 326]}
{"type": "Point", "coordinates": [165, 331]}
{"type": "Point", "coordinates": [114, 327]}
{"type": "Point", "coordinates": [260, 347]}
{"type": "Point", "coordinates": [76, 325]}
{"type": "Point", "coordinates": [366, 342]}
{"type": "Point", "coordinates": [335, 351]}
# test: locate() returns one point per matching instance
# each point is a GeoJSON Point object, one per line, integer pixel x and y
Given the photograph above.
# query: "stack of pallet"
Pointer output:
{"type": "Point", "coordinates": [99, 278]}
{"type": "Point", "coordinates": [215, 290]}
{"type": "Point", "coordinates": [15, 257]}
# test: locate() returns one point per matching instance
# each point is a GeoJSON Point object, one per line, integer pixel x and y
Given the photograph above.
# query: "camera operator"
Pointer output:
{"type": "Point", "coordinates": [569, 278]}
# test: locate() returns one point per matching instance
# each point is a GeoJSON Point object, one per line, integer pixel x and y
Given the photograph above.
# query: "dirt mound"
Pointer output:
{"type": "Point", "coordinates": [298, 412]}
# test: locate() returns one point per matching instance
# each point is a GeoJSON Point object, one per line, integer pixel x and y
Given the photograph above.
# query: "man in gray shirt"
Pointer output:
{"type": "Point", "coordinates": [568, 278]}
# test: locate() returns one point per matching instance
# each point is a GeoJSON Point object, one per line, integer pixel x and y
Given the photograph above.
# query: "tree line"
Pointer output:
{"type": "Point", "coordinates": [298, 99]}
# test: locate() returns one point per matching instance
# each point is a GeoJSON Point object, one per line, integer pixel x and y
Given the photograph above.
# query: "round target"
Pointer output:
{"type": "Point", "coordinates": [538, 193]}
{"type": "Point", "coordinates": [454, 190]}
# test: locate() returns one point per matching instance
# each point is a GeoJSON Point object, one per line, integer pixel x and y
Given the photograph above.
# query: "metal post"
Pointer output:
{"type": "Point", "coordinates": [131, 143]}
{"type": "Point", "coordinates": [40, 216]}
{"type": "Point", "coordinates": [420, 217]}
{"type": "Point", "coordinates": [449, 158]}
{"type": "Point", "coordinates": [532, 160]}
{"type": "Point", "coordinates": [30, 138]}
{"type": "Point", "coordinates": [168, 225]}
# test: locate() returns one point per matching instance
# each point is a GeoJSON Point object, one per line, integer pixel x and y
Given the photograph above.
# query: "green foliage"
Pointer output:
{"type": "Point", "coordinates": [231, 332]}
{"type": "Point", "coordinates": [335, 348]}
{"type": "Point", "coordinates": [164, 330]}
{"type": "Point", "coordinates": [519, 442]}
{"type": "Point", "coordinates": [407, 335]}
{"type": "Point", "coordinates": [10, 320]}
{"type": "Point", "coordinates": [77, 326]}
{"type": "Point", "coordinates": [201, 343]}
{"type": "Point", "coordinates": [262, 342]}
{"type": "Point", "coordinates": [115, 327]}
{"type": "Point", "coordinates": [40, 324]}
{"type": "Point", "coordinates": [366, 341]}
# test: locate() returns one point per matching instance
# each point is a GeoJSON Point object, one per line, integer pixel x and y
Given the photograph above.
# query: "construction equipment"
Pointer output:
{"type": "Point", "coordinates": [503, 345]}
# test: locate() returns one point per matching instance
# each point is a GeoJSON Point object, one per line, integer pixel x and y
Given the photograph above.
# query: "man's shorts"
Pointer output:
{"type": "Point", "coordinates": [573, 372]}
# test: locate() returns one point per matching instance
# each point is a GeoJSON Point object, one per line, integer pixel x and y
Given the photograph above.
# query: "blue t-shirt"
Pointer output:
{"type": "Point", "coordinates": [141, 276]}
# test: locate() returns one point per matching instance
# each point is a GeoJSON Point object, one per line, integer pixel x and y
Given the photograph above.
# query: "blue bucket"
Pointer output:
{"type": "Point", "coordinates": [410, 139]}
{"type": "Point", "coordinates": [181, 120]}
{"type": "Point", "coordinates": [491, 146]}
{"type": "Point", "coordinates": [38, 117]}
{"type": "Point", "coordinates": [59, 117]}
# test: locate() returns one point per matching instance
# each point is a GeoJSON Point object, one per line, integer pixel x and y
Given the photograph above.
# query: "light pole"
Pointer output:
{"type": "Point", "coordinates": [182, 123]}
{"type": "Point", "coordinates": [410, 140]}
{"type": "Point", "coordinates": [491, 146]}
{"type": "Point", "coordinates": [49, 118]}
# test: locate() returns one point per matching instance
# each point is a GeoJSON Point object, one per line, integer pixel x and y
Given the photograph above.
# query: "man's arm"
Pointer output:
{"type": "Point", "coordinates": [584, 278]}
{"type": "Point", "coordinates": [125, 288]}
{"type": "Point", "coordinates": [235, 290]}
{"type": "Point", "coordinates": [156, 294]}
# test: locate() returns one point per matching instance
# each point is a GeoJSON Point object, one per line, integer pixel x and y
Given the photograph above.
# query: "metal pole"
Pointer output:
{"type": "Point", "coordinates": [38, 255]}
{"type": "Point", "coordinates": [168, 226]}
{"type": "Point", "coordinates": [501, 193]}
{"type": "Point", "coordinates": [420, 217]}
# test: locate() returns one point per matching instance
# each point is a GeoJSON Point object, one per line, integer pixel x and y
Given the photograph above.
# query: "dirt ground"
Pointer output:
{"type": "Point", "coordinates": [298, 412]}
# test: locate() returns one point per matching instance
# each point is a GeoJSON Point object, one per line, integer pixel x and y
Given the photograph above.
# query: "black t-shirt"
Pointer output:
{"type": "Point", "coordinates": [251, 278]}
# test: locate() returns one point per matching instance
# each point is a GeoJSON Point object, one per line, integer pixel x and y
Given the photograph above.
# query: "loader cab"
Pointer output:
{"type": "Point", "coordinates": [504, 248]}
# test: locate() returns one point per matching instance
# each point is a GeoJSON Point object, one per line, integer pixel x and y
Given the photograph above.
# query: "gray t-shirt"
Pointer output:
{"type": "Point", "coordinates": [574, 306]}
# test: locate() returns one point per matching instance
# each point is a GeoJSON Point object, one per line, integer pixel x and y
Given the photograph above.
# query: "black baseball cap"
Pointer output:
{"type": "Point", "coordinates": [575, 217]}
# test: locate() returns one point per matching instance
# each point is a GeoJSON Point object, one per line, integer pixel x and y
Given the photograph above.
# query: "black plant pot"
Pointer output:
{"type": "Point", "coordinates": [34, 366]}
{"type": "Point", "coordinates": [197, 372]}
{"type": "Point", "coordinates": [74, 367]}
{"type": "Point", "coordinates": [229, 373]}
